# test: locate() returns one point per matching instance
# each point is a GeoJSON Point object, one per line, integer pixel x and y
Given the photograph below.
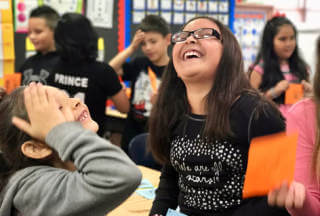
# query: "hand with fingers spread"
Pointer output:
{"type": "Point", "coordinates": [43, 112]}
{"type": "Point", "coordinates": [290, 196]}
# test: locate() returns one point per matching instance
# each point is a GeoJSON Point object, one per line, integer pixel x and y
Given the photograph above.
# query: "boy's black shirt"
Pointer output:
{"type": "Point", "coordinates": [37, 68]}
{"type": "Point", "coordinates": [136, 71]}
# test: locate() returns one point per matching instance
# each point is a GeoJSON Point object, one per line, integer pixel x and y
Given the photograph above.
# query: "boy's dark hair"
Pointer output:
{"type": "Point", "coordinates": [48, 13]}
{"type": "Point", "coordinates": [154, 23]}
{"type": "Point", "coordinates": [76, 40]}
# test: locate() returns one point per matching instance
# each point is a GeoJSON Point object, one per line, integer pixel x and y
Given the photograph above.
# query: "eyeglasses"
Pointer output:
{"type": "Point", "coordinates": [201, 33]}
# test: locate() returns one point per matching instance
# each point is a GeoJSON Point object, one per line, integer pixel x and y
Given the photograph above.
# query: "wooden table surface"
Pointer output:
{"type": "Point", "coordinates": [137, 205]}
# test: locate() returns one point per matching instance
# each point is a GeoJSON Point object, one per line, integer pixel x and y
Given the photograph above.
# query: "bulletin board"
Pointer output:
{"type": "Point", "coordinates": [108, 30]}
{"type": "Point", "coordinates": [125, 15]}
{"type": "Point", "coordinates": [249, 22]}
{"type": "Point", "coordinates": [177, 12]}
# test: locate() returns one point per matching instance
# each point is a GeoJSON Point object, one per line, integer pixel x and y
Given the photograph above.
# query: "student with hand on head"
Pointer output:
{"type": "Point", "coordinates": [202, 124]}
{"type": "Point", "coordinates": [55, 162]}
{"type": "Point", "coordinates": [144, 73]}
{"type": "Point", "coordinates": [302, 196]}
{"type": "Point", "coordinates": [41, 25]}
{"type": "Point", "coordinates": [278, 62]}
{"type": "Point", "coordinates": [79, 73]}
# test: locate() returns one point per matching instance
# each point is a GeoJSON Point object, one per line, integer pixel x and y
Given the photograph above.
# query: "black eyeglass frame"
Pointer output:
{"type": "Point", "coordinates": [214, 33]}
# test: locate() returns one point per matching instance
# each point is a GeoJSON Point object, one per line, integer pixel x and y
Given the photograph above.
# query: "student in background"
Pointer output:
{"type": "Point", "coordinates": [202, 124]}
{"type": "Point", "coordinates": [278, 62]}
{"type": "Point", "coordinates": [302, 197]}
{"type": "Point", "coordinates": [56, 164]}
{"type": "Point", "coordinates": [37, 68]}
{"type": "Point", "coordinates": [144, 73]}
{"type": "Point", "coordinates": [80, 74]}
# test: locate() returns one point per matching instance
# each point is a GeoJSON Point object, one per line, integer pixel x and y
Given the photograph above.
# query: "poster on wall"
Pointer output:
{"type": "Point", "coordinates": [248, 27]}
{"type": "Point", "coordinates": [63, 6]}
{"type": "Point", "coordinates": [22, 9]}
{"type": "Point", "coordinates": [100, 12]}
{"type": "Point", "coordinates": [177, 12]}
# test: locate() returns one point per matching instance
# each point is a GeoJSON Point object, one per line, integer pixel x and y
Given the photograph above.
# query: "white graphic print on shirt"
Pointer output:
{"type": "Point", "coordinates": [210, 173]}
{"type": "Point", "coordinates": [142, 94]}
{"type": "Point", "coordinates": [29, 76]}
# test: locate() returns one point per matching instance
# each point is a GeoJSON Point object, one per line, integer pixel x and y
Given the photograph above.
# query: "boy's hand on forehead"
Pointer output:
{"type": "Point", "coordinates": [43, 111]}
{"type": "Point", "coordinates": [137, 39]}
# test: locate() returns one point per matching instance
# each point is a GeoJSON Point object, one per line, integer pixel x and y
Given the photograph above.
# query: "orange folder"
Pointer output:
{"type": "Point", "coordinates": [271, 161]}
{"type": "Point", "coordinates": [12, 81]}
{"type": "Point", "coordinates": [294, 93]}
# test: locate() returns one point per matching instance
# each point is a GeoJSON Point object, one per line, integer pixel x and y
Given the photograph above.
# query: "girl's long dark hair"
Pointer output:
{"type": "Point", "coordinates": [76, 39]}
{"type": "Point", "coordinates": [11, 138]}
{"type": "Point", "coordinates": [272, 73]}
{"type": "Point", "coordinates": [172, 104]}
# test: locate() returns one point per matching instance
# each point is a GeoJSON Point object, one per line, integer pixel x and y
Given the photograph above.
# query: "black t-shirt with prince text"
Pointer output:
{"type": "Point", "coordinates": [92, 82]}
{"type": "Point", "coordinates": [38, 68]}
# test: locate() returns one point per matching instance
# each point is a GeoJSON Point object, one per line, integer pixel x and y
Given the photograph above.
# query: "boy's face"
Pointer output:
{"type": "Point", "coordinates": [41, 36]}
{"type": "Point", "coordinates": [155, 46]}
{"type": "Point", "coordinates": [80, 110]}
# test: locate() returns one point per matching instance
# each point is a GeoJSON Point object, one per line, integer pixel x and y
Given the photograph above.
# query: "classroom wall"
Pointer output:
{"type": "Point", "coordinates": [110, 41]}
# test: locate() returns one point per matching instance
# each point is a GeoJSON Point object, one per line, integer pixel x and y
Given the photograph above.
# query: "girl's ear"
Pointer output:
{"type": "Point", "coordinates": [36, 150]}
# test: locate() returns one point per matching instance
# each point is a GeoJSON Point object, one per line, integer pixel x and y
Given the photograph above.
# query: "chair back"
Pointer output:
{"type": "Point", "coordinates": [139, 154]}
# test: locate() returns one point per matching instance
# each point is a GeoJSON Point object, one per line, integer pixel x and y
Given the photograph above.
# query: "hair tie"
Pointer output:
{"type": "Point", "coordinates": [278, 14]}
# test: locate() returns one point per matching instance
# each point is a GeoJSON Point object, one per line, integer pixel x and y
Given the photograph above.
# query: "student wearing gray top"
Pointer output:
{"type": "Point", "coordinates": [55, 162]}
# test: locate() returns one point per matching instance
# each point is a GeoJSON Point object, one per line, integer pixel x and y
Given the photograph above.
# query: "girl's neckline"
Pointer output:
{"type": "Point", "coordinates": [196, 117]}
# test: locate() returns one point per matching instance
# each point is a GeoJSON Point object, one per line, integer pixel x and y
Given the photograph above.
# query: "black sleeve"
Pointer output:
{"type": "Point", "coordinates": [266, 119]}
{"type": "Point", "coordinates": [109, 81]}
{"type": "Point", "coordinates": [132, 69]}
{"type": "Point", "coordinates": [167, 192]}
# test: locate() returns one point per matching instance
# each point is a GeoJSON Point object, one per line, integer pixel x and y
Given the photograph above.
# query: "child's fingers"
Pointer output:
{"type": "Point", "coordinates": [282, 195]}
{"type": "Point", "coordinates": [52, 99]}
{"type": "Point", "coordinates": [28, 99]}
{"type": "Point", "coordinates": [272, 197]}
{"type": "Point", "coordinates": [34, 98]}
{"type": "Point", "coordinates": [21, 124]}
{"type": "Point", "coordinates": [42, 95]}
{"type": "Point", "coordinates": [300, 195]}
{"type": "Point", "coordinates": [290, 200]}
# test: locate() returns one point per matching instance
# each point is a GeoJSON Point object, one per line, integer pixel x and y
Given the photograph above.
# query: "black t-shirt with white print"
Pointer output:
{"type": "Point", "coordinates": [206, 177]}
{"type": "Point", "coordinates": [136, 71]}
{"type": "Point", "coordinates": [38, 68]}
{"type": "Point", "coordinates": [92, 82]}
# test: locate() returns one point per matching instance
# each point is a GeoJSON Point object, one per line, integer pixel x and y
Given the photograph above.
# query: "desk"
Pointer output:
{"type": "Point", "coordinates": [137, 205]}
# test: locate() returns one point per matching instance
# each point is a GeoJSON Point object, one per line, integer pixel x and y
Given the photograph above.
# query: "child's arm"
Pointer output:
{"type": "Point", "coordinates": [303, 196]}
{"type": "Point", "coordinates": [104, 175]}
{"type": "Point", "coordinates": [167, 192]}
{"type": "Point", "coordinates": [117, 61]}
{"type": "Point", "coordinates": [121, 101]}
{"type": "Point", "coordinates": [276, 91]}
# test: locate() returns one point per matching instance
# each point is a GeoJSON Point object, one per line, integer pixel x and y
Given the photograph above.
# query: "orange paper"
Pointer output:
{"type": "Point", "coordinates": [294, 93]}
{"type": "Point", "coordinates": [12, 81]}
{"type": "Point", "coordinates": [271, 161]}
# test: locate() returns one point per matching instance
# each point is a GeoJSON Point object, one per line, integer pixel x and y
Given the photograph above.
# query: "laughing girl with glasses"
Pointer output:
{"type": "Point", "coordinates": [202, 124]}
